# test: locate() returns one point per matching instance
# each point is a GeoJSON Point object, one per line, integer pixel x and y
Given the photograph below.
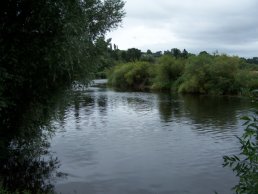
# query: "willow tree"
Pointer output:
{"type": "Point", "coordinates": [44, 45]}
{"type": "Point", "coordinates": [47, 44]}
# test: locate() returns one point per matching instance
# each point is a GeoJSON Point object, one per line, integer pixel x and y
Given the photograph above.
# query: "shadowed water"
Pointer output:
{"type": "Point", "coordinates": [134, 142]}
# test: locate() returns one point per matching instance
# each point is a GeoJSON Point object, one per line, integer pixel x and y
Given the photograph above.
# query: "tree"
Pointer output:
{"type": "Point", "coordinates": [158, 54]}
{"type": "Point", "coordinates": [133, 54]}
{"type": "Point", "coordinates": [254, 60]}
{"type": "Point", "coordinates": [47, 44]}
{"type": "Point", "coordinates": [167, 52]}
{"type": "Point", "coordinates": [123, 55]}
{"type": "Point", "coordinates": [149, 52]}
{"type": "Point", "coordinates": [115, 47]}
{"type": "Point", "coordinates": [204, 53]}
{"type": "Point", "coordinates": [176, 52]}
{"type": "Point", "coordinates": [184, 54]}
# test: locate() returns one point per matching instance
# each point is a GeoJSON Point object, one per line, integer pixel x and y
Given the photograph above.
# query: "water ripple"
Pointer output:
{"type": "Point", "coordinates": [121, 142]}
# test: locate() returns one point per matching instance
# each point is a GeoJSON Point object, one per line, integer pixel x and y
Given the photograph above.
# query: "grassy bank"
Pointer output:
{"type": "Point", "coordinates": [202, 74]}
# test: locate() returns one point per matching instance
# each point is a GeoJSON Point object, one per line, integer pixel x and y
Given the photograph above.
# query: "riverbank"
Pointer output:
{"type": "Point", "coordinates": [202, 74]}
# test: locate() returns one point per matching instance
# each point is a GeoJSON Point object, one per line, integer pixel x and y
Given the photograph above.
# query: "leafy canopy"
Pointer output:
{"type": "Point", "coordinates": [46, 44]}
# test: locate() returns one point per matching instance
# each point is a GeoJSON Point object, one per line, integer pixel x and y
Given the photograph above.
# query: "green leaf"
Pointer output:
{"type": "Point", "coordinates": [246, 118]}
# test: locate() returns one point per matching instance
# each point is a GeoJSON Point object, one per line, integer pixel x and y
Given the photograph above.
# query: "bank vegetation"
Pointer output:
{"type": "Point", "coordinates": [201, 74]}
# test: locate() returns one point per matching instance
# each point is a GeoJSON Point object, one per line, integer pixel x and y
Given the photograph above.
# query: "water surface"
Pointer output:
{"type": "Point", "coordinates": [134, 142]}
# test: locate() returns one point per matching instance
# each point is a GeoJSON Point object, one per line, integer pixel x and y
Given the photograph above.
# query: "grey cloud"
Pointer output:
{"type": "Point", "coordinates": [226, 25]}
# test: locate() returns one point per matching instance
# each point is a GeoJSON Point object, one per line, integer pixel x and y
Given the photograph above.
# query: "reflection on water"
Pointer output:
{"type": "Point", "coordinates": [25, 161]}
{"type": "Point", "coordinates": [218, 111]}
{"type": "Point", "coordinates": [133, 142]}
{"type": "Point", "coordinates": [169, 107]}
{"type": "Point", "coordinates": [24, 167]}
{"type": "Point", "coordinates": [111, 142]}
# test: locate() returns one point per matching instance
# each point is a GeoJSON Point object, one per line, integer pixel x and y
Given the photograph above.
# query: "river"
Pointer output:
{"type": "Point", "coordinates": [115, 142]}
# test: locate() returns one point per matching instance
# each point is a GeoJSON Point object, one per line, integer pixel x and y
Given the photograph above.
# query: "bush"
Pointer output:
{"type": "Point", "coordinates": [134, 75]}
{"type": "Point", "coordinates": [167, 71]}
{"type": "Point", "coordinates": [211, 75]}
{"type": "Point", "coordinates": [196, 75]}
{"type": "Point", "coordinates": [202, 74]}
{"type": "Point", "coordinates": [247, 81]}
{"type": "Point", "coordinates": [223, 71]}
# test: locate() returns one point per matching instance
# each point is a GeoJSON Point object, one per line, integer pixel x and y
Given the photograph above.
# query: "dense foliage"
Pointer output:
{"type": "Point", "coordinates": [134, 75]}
{"type": "Point", "coordinates": [213, 75]}
{"type": "Point", "coordinates": [202, 74]}
{"type": "Point", "coordinates": [167, 71]}
{"type": "Point", "coordinates": [45, 45]}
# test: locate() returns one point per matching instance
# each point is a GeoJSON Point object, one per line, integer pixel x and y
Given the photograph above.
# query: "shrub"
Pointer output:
{"type": "Point", "coordinates": [202, 74]}
{"type": "Point", "coordinates": [247, 81]}
{"type": "Point", "coordinates": [167, 71]}
{"type": "Point", "coordinates": [196, 74]}
{"type": "Point", "coordinates": [211, 75]}
{"type": "Point", "coordinates": [134, 75]}
{"type": "Point", "coordinates": [223, 71]}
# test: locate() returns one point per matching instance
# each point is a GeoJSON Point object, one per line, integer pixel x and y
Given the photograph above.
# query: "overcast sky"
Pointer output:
{"type": "Point", "coordinates": [229, 26]}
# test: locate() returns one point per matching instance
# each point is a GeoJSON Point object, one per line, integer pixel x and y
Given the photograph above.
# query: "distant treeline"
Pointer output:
{"type": "Point", "coordinates": [113, 56]}
{"type": "Point", "coordinates": [183, 72]}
